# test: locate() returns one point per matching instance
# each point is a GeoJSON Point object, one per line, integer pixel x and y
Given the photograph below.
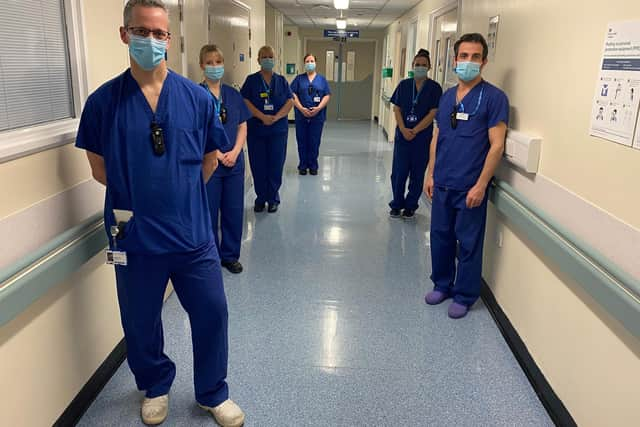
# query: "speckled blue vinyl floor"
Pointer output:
{"type": "Point", "coordinates": [327, 324]}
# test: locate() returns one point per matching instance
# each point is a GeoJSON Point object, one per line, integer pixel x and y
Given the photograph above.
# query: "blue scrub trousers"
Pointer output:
{"type": "Point", "coordinates": [410, 161]}
{"type": "Point", "coordinates": [308, 135]}
{"type": "Point", "coordinates": [267, 154]}
{"type": "Point", "coordinates": [453, 224]}
{"type": "Point", "coordinates": [225, 193]}
{"type": "Point", "coordinates": [197, 280]}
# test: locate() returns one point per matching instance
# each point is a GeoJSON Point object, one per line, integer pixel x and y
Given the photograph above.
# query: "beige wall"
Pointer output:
{"type": "Point", "coordinates": [50, 350]}
{"type": "Point", "coordinates": [548, 64]}
{"type": "Point", "coordinates": [551, 84]}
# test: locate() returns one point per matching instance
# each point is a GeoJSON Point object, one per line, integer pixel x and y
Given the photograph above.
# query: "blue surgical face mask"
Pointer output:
{"type": "Point", "coordinates": [310, 67]}
{"type": "Point", "coordinates": [420, 72]}
{"type": "Point", "coordinates": [467, 71]}
{"type": "Point", "coordinates": [214, 72]}
{"type": "Point", "coordinates": [147, 51]}
{"type": "Point", "coordinates": [267, 64]}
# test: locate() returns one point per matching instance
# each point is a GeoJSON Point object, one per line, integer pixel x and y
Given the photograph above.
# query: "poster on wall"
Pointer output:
{"type": "Point", "coordinates": [614, 112]}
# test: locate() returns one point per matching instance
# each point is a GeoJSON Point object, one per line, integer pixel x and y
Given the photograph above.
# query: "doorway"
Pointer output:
{"type": "Point", "coordinates": [176, 59]}
{"type": "Point", "coordinates": [229, 29]}
{"type": "Point", "coordinates": [348, 67]}
{"type": "Point", "coordinates": [444, 33]}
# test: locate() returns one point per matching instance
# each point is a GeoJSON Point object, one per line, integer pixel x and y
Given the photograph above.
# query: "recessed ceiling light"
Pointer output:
{"type": "Point", "coordinates": [341, 4]}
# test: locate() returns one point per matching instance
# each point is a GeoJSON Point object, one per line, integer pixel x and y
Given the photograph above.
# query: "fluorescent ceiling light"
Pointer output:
{"type": "Point", "coordinates": [341, 4]}
{"type": "Point", "coordinates": [341, 24]}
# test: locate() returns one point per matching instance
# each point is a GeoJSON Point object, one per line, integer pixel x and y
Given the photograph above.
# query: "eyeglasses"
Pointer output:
{"type": "Point", "coordinates": [223, 114]}
{"type": "Point", "coordinates": [144, 32]}
{"type": "Point", "coordinates": [311, 90]}
{"type": "Point", "coordinates": [454, 117]}
{"type": "Point", "coordinates": [157, 139]}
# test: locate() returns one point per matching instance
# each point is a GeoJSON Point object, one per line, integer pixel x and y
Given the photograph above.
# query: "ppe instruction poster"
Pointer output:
{"type": "Point", "coordinates": [614, 114]}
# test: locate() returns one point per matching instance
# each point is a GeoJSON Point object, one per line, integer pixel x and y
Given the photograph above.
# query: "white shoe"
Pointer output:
{"type": "Point", "coordinates": [227, 414]}
{"type": "Point", "coordinates": [154, 411]}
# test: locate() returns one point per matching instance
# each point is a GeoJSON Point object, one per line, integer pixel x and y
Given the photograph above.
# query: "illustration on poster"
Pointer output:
{"type": "Point", "coordinates": [600, 115]}
{"type": "Point", "coordinates": [605, 90]}
{"type": "Point", "coordinates": [618, 90]}
{"type": "Point", "coordinates": [614, 117]}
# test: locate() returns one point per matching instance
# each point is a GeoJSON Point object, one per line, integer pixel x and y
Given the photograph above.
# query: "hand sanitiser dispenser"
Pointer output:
{"type": "Point", "coordinates": [523, 150]}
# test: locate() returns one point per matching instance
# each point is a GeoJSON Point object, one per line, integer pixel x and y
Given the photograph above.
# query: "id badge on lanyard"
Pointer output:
{"type": "Point", "coordinates": [114, 256]}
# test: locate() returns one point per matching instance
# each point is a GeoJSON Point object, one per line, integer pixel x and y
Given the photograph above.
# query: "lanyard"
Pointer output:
{"type": "Point", "coordinates": [267, 88]}
{"type": "Point", "coordinates": [415, 95]}
{"type": "Point", "coordinates": [217, 103]}
{"type": "Point", "coordinates": [461, 105]}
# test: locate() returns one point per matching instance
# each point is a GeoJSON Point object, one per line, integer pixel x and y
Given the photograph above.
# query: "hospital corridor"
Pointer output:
{"type": "Point", "coordinates": [329, 327]}
{"type": "Point", "coordinates": [319, 213]}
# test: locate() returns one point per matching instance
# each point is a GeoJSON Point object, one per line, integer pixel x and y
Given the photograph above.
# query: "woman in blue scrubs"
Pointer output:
{"type": "Point", "coordinates": [415, 104]}
{"type": "Point", "coordinates": [268, 97]}
{"type": "Point", "coordinates": [311, 95]}
{"type": "Point", "coordinates": [225, 189]}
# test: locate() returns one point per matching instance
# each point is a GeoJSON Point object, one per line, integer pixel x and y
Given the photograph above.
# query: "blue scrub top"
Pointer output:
{"type": "Point", "coordinates": [256, 90]}
{"type": "Point", "coordinates": [461, 152]}
{"type": "Point", "coordinates": [237, 113]}
{"type": "Point", "coordinates": [306, 91]}
{"type": "Point", "coordinates": [166, 193]}
{"type": "Point", "coordinates": [425, 100]}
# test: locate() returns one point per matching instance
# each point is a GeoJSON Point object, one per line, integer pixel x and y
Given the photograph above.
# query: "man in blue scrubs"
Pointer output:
{"type": "Point", "coordinates": [467, 146]}
{"type": "Point", "coordinates": [268, 97]}
{"type": "Point", "coordinates": [151, 137]}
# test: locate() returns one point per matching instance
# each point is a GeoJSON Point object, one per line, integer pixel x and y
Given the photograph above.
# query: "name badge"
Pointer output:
{"type": "Point", "coordinates": [316, 99]}
{"type": "Point", "coordinates": [462, 116]}
{"type": "Point", "coordinates": [412, 118]}
{"type": "Point", "coordinates": [268, 107]}
{"type": "Point", "coordinates": [264, 95]}
{"type": "Point", "coordinates": [116, 257]}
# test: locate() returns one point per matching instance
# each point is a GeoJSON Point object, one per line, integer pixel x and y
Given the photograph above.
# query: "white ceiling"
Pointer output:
{"type": "Point", "coordinates": [362, 14]}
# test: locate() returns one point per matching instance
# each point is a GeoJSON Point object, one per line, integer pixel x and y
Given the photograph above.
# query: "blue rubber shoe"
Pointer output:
{"type": "Point", "coordinates": [435, 297]}
{"type": "Point", "coordinates": [457, 311]}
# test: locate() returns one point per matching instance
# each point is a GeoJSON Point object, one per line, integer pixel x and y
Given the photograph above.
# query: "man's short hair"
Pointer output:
{"type": "Point", "coordinates": [472, 38]}
{"type": "Point", "coordinates": [128, 9]}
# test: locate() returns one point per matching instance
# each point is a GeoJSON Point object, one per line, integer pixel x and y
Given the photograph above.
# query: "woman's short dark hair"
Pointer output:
{"type": "Point", "coordinates": [308, 55]}
{"type": "Point", "coordinates": [472, 38]}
